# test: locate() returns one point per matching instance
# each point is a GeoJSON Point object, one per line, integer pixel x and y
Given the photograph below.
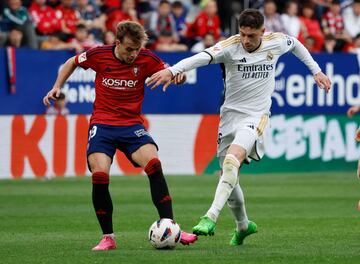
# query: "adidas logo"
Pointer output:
{"type": "Point", "coordinates": [107, 69]}
{"type": "Point", "coordinates": [243, 60]}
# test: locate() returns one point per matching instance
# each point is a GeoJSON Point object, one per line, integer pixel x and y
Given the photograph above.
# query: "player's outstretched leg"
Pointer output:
{"type": "Point", "coordinates": [226, 184]}
{"type": "Point", "coordinates": [239, 236]}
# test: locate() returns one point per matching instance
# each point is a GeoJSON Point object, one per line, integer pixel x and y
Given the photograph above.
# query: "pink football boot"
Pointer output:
{"type": "Point", "coordinates": [106, 243]}
{"type": "Point", "coordinates": [187, 238]}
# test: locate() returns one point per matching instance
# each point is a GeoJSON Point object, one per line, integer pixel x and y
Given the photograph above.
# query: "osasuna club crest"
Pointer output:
{"type": "Point", "coordinates": [136, 70]}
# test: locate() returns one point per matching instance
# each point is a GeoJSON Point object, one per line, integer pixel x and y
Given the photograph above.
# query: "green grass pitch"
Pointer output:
{"type": "Point", "coordinates": [302, 218]}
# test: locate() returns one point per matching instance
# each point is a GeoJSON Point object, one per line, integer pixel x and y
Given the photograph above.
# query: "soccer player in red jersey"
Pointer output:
{"type": "Point", "coordinates": [121, 71]}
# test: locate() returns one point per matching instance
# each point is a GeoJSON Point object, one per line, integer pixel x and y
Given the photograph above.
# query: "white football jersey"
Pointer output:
{"type": "Point", "coordinates": [249, 77]}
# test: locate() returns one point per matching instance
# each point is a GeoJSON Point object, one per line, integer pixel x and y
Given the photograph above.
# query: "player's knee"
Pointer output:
{"type": "Point", "coordinates": [238, 152]}
{"type": "Point", "coordinates": [100, 177]}
{"type": "Point", "coordinates": [241, 155]}
{"type": "Point", "coordinates": [99, 162]}
{"type": "Point", "coordinates": [230, 169]}
{"type": "Point", "coordinates": [153, 167]}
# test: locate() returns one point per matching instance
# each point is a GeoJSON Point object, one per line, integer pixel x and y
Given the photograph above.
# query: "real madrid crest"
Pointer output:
{"type": "Point", "coordinates": [136, 70]}
{"type": "Point", "coordinates": [269, 56]}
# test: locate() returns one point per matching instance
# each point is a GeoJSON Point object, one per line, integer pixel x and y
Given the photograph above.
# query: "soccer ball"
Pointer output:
{"type": "Point", "coordinates": [164, 234]}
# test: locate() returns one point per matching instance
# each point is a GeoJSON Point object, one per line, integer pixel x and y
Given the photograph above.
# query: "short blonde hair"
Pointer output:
{"type": "Point", "coordinates": [133, 30]}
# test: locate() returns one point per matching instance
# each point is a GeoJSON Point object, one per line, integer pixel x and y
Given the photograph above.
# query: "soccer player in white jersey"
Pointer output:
{"type": "Point", "coordinates": [249, 60]}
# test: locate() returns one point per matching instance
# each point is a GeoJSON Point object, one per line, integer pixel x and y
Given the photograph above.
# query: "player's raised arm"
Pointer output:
{"type": "Point", "coordinates": [166, 76]}
{"type": "Point", "coordinates": [66, 70]}
{"type": "Point", "coordinates": [304, 55]}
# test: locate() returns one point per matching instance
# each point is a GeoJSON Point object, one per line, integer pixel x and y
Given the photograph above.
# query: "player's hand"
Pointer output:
{"type": "Point", "coordinates": [52, 94]}
{"type": "Point", "coordinates": [161, 77]}
{"type": "Point", "coordinates": [322, 81]}
{"type": "Point", "coordinates": [352, 111]}
{"type": "Point", "coordinates": [179, 78]}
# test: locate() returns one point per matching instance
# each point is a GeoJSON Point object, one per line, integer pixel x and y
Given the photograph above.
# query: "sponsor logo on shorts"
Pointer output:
{"type": "Point", "coordinates": [141, 132]}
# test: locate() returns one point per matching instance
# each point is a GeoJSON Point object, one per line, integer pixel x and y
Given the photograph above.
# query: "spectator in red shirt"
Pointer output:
{"type": "Point", "coordinates": [44, 18]}
{"type": "Point", "coordinates": [68, 17]}
{"type": "Point", "coordinates": [333, 23]}
{"type": "Point", "coordinates": [112, 3]}
{"type": "Point", "coordinates": [127, 12]}
{"type": "Point", "coordinates": [206, 22]}
{"type": "Point", "coordinates": [310, 29]}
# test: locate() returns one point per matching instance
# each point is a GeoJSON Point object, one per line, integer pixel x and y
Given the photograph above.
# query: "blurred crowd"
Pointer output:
{"type": "Point", "coordinates": [321, 25]}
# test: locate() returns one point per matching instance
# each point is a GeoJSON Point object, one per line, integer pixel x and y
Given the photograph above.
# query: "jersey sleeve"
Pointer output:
{"type": "Point", "coordinates": [154, 64]}
{"type": "Point", "coordinates": [87, 59]}
{"type": "Point", "coordinates": [221, 51]}
{"type": "Point", "coordinates": [217, 53]}
{"type": "Point", "coordinates": [286, 43]}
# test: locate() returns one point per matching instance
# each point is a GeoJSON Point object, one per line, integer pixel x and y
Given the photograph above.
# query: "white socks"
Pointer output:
{"type": "Point", "coordinates": [236, 203]}
{"type": "Point", "coordinates": [228, 181]}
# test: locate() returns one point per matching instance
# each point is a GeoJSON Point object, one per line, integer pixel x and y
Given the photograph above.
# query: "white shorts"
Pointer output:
{"type": "Point", "coordinates": [243, 130]}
